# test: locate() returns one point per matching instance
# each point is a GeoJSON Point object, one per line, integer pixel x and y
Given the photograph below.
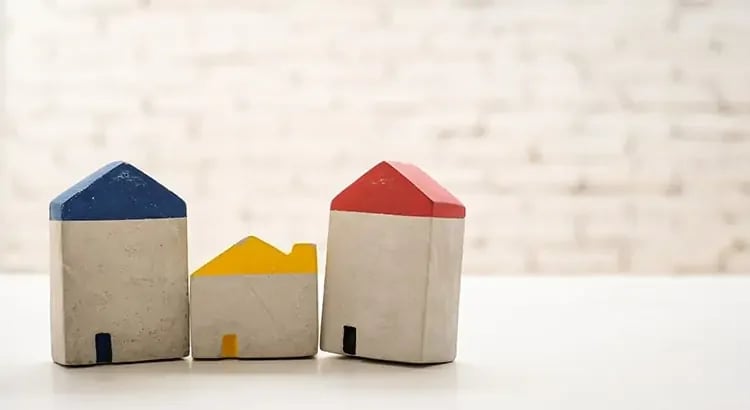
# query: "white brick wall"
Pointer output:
{"type": "Point", "coordinates": [584, 136]}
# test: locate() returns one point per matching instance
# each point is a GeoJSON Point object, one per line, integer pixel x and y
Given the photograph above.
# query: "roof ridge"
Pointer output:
{"type": "Point", "coordinates": [117, 191]}
{"type": "Point", "coordinates": [412, 193]}
{"type": "Point", "coordinates": [252, 255]}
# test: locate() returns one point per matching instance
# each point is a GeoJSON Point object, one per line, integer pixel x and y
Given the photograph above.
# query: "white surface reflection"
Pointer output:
{"type": "Point", "coordinates": [586, 343]}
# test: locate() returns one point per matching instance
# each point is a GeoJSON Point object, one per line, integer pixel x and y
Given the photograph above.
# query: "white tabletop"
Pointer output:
{"type": "Point", "coordinates": [525, 343]}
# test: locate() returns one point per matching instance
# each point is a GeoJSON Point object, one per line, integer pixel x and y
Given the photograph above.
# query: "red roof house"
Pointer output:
{"type": "Point", "coordinates": [393, 270]}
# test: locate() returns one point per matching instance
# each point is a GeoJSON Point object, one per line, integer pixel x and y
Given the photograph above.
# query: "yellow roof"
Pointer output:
{"type": "Point", "coordinates": [252, 256]}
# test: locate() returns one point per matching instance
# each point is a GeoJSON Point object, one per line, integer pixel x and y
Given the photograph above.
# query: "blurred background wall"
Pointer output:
{"type": "Point", "coordinates": [583, 136]}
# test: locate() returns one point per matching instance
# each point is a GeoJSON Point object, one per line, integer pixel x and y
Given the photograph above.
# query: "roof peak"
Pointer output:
{"type": "Point", "coordinates": [252, 255]}
{"type": "Point", "coordinates": [116, 191]}
{"type": "Point", "coordinates": [398, 188]}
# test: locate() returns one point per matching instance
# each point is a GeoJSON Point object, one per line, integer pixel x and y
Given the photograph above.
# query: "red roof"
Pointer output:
{"type": "Point", "coordinates": [395, 188]}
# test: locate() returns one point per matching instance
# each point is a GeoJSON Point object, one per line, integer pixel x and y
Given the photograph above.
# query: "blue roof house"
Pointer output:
{"type": "Point", "coordinates": [118, 270]}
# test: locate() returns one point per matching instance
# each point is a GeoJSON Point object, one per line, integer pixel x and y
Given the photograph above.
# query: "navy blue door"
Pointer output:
{"type": "Point", "coordinates": [103, 342]}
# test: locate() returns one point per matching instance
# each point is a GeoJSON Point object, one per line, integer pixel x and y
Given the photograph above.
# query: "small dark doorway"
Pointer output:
{"type": "Point", "coordinates": [350, 340]}
{"type": "Point", "coordinates": [103, 342]}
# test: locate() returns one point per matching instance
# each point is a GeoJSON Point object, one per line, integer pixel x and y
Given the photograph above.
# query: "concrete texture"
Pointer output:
{"type": "Point", "coordinates": [127, 278]}
{"type": "Point", "coordinates": [396, 279]}
{"type": "Point", "coordinates": [583, 136]}
{"type": "Point", "coordinates": [443, 290]}
{"type": "Point", "coordinates": [273, 316]}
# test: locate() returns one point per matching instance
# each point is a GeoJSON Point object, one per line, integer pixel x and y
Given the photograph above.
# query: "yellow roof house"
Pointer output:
{"type": "Point", "coordinates": [255, 301]}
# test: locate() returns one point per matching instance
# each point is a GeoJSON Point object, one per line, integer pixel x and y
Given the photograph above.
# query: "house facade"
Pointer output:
{"type": "Point", "coordinates": [119, 280]}
{"type": "Point", "coordinates": [254, 301]}
{"type": "Point", "coordinates": [393, 268]}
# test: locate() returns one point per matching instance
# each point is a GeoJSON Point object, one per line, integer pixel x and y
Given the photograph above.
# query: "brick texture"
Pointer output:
{"type": "Point", "coordinates": [583, 136]}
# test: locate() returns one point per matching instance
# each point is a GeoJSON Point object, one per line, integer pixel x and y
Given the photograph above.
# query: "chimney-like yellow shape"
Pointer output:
{"type": "Point", "coordinates": [252, 256]}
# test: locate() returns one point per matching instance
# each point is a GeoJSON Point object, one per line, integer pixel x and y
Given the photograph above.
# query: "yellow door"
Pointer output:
{"type": "Point", "coordinates": [229, 346]}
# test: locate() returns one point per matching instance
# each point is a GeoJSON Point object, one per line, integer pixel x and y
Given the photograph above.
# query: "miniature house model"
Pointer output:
{"type": "Point", "coordinates": [119, 290]}
{"type": "Point", "coordinates": [254, 301]}
{"type": "Point", "coordinates": [393, 270]}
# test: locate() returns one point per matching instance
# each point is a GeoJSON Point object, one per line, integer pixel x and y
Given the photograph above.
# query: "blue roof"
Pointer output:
{"type": "Point", "coordinates": [116, 191]}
